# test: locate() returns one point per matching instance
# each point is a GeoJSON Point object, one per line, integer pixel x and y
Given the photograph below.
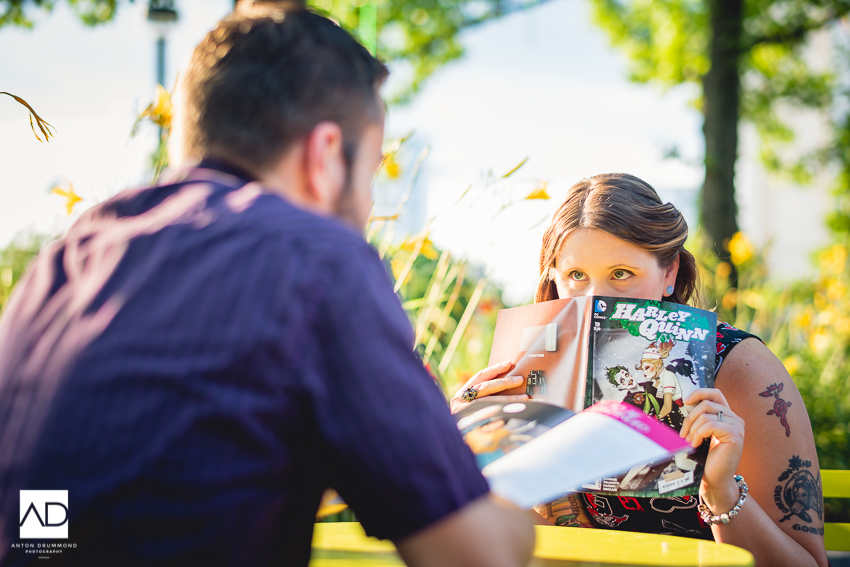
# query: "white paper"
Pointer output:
{"type": "Point", "coordinates": [582, 449]}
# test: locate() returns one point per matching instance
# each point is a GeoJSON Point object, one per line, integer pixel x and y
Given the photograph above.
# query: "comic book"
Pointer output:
{"type": "Point", "coordinates": [649, 354]}
{"type": "Point", "coordinates": [534, 452]}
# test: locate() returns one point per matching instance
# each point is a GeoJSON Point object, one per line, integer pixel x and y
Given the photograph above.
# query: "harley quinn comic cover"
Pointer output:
{"type": "Point", "coordinates": [649, 354]}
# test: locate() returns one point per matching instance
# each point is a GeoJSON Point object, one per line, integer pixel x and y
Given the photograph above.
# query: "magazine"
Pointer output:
{"type": "Point", "coordinates": [651, 355]}
{"type": "Point", "coordinates": [533, 452]}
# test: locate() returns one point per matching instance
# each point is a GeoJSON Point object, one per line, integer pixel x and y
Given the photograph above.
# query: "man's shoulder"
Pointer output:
{"type": "Point", "coordinates": [222, 203]}
{"type": "Point", "coordinates": [285, 229]}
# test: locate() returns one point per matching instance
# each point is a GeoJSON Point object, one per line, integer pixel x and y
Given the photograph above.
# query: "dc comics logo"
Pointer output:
{"type": "Point", "coordinates": [601, 306]}
{"type": "Point", "coordinates": [44, 514]}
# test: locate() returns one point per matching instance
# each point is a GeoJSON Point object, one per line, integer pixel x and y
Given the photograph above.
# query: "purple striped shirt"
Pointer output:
{"type": "Point", "coordinates": [196, 362]}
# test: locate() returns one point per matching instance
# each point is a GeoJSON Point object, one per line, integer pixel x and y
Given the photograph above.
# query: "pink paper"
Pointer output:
{"type": "Point", "coordinates": [648, 426]}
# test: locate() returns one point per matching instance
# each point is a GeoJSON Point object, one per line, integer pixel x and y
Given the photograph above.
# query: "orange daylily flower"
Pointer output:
{"type": "Point", "coordinates": [427, 248]}
{"type": "Point", "coordinates": [538, 193]}
{"type": "Point", "coordinates": [392, 167]}
{"type": "Point", "coordinates": [159, 111]}
{"type": "Point", "coordinates": [71, 198]}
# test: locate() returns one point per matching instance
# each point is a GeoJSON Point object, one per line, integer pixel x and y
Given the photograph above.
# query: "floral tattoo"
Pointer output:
{"type": "Point", "coordinates": [780, 406]}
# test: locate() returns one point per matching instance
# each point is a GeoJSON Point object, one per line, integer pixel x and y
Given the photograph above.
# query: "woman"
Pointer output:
{"type": "Point", "coordinates": [614, 236]}
{"type": "Point", "coordinates": [664, 382]}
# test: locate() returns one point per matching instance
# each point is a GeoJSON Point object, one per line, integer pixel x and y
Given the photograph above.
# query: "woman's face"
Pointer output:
{"type": "Point", "coordinates": [650, 371]}
{"type": "Point", "coordinates": [594, 262]}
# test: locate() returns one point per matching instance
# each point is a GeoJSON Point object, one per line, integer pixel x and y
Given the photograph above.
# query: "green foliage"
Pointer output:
{"type": "Point", "coordinates": [839, 219]}
{"type": "Point", "coordinates": [13, 261]}
{"type": "Point", "coordinates": [806, 324]}
{"type": "Point", "coordinates": [666, 40]}
{"type": "Point", "coordinates": [91, 12]}
{"type": "Point", "coordinates": [451, 306]}
{"type": "Point", "coordinates": [777, 76]}
{"type": "Point", "coordinates": [423, 34]}
{"type": "Point", "coordinates": [667, 43]}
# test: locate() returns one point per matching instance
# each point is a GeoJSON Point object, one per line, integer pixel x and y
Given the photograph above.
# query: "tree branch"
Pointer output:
{"type": "Point", "coordinates": [798, 33]}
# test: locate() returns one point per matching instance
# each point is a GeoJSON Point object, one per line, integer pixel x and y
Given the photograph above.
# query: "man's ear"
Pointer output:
{"type": "Point", "coordinates": [324, 165]}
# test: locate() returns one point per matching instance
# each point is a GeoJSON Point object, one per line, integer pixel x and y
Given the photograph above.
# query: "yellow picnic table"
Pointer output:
{"type": "Point", "coordinates": [345, 544]}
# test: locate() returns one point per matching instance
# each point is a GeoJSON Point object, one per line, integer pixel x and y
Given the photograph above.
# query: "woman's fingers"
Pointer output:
{"type": "Point", "coordinates": [708, 412]}
{"type": "Point", "coordinates": [707, 426]}
{"type": "Point", "coordinates": [515, 398]}
{"type": "Point", "coordinates": [487, 389]}
{"type": "Point", "coordinates": [704, 401]}
{"type": "Point", "coordinates": [490, 387]}
{"type": "Point", "coordinates": [486, 384]}
{"type": "Point", "coordinates": [487, 374]}
{"type": "Point", "coordinates": [704, 407]}
{"type": "Point", "coordinates": [709, 419]}
{"type": "Point", "coordinates": [708, 394]}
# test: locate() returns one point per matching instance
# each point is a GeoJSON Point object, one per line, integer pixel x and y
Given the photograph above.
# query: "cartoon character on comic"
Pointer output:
{"type": "Point", "coordinates": [666, 383]}
{"type": "Point", "coordinates": [683, 367]}
{"type": "Point", "coordinates": [658, 394]}
{"type": "Point", "coordinates": [636, 392]}
{"type": "Point", "coordinates": [642, 396]}
{"type": "Point", "coordinates": [651, 355]}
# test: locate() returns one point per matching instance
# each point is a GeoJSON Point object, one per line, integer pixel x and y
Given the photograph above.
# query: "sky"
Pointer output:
{"type": "Point", "coordinates": [542, 84]}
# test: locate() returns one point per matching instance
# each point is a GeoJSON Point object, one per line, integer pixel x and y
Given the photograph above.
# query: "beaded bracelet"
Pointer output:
{"type": "Point", "coordinates": [705, 513]}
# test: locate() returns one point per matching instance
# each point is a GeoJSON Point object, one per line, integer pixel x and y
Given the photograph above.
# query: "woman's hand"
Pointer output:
{"type": "Point", "coordinates": [485, 384]}
{"type": "Point", "coordinates": [713, 419]}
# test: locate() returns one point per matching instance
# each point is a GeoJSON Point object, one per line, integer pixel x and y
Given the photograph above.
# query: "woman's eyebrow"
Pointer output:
{"type": "Point", "coordinates": [622, 266]}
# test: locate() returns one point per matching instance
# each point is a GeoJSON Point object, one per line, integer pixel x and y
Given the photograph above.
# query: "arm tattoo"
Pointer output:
{"type": "Point", "coordinates": [799, 493]}
{"type": "Point", "coordinates": [780, 406]}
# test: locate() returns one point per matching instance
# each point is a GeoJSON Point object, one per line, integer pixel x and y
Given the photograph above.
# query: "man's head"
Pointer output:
{"type": "Point", "coordinates": [292, 98]}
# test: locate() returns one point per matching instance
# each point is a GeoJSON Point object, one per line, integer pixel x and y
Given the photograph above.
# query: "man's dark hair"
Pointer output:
{"type": "Point", "coordinates": [266, 75]}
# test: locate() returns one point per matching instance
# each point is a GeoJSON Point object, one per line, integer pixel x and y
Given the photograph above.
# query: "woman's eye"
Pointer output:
{"type": "Point", "coordinates": [578, 276]}
{"type": "Point", "coordinates": [622, 274]}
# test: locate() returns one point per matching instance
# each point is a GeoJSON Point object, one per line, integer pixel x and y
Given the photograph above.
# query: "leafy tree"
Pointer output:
{"type": "Point", "coordinates": [745, 55]}
{"type": "Point", "coordinates": [839, 219]}
{"type": "Point", "coordinates": [422, 33]}
{"type": "Point", "coordinates": [91, 12]}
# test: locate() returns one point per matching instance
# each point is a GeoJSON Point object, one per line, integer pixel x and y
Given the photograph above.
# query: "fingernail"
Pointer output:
{"type": "Point", "coordinates": [506, 363]}
{"type": "Point", "coordinates": [516, 379]}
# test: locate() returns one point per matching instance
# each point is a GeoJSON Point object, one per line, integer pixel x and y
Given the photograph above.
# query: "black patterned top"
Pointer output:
{"type": "Point", "coordinates": [670, 515]}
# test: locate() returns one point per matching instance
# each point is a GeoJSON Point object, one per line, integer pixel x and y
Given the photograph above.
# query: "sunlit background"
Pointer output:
{"type": "Point", "coordinates": [541, 84]}
{"type": "Point", "coordinates": [539, 94]}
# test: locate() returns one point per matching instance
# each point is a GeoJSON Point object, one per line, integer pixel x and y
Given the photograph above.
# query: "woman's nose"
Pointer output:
{"type": "Point", "coordinates": [598, 288]}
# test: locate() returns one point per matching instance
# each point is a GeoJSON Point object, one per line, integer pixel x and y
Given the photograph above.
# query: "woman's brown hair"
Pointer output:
{"type": "Point", "coordinates": [626, 207]}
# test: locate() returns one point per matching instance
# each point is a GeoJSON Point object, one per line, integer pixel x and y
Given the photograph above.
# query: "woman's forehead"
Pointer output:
{"type": "Point", "coordinates": [592, 247]}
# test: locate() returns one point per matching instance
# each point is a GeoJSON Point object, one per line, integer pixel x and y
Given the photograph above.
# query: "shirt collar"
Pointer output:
{"type": "Point", "coordinates": [225, 167]}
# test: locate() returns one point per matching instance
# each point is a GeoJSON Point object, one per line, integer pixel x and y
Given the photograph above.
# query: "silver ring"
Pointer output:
{"type": "Point", "coordinates": [719, 416]}
{"type": "Point", "coordinates": [469, 394]}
